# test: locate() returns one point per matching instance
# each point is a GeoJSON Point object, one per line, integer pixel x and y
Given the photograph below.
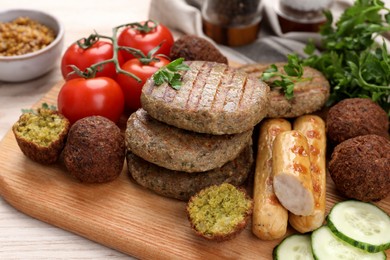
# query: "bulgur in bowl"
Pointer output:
{"type": "Point", "coordinates": [31, 43]}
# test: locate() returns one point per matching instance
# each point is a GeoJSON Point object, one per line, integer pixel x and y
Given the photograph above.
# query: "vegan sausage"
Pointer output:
{"type": "Point", "coordinates": [313, 127]}
{"type": "Point", "coordinates": [291, 169]}
{"type": "Point", "coordinates": [270, 218]}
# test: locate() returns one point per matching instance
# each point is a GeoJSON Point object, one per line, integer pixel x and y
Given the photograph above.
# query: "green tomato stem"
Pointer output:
{"type": "Point", "coordinates": [115, 56]}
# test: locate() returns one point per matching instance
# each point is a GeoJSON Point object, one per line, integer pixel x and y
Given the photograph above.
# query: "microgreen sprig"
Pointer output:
{"type": "Point", "coordinates": [293, 74]}
{"type": "Point", "coordinates": [170, 75]}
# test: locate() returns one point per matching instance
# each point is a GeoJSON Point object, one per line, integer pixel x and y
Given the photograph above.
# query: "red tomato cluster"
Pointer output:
{"type": "Point", "coordinates": [108, 93]}
{"type": "Point", "coordinates": [83, 58]}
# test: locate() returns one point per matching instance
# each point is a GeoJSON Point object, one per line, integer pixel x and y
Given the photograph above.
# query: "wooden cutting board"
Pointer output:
{"type": "Point", "coordinates": [119, 214]}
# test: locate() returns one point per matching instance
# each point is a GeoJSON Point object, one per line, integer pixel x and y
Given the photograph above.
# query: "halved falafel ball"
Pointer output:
{"type": "Point", "coordinates": [354, 117]}
{"type": "Point", "coordinates": [95, 150]}
{"type": "Point", "coordinates": [219, 212]}
{"type": "Point", "coordinates": [360, 167]}
{"type": "Point", "coordinates": [41, 134]}
{"type": "Point", "coordinates": [191, 47]}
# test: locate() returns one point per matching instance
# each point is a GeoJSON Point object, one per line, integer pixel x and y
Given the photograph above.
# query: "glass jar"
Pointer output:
{"type": "Point", "coordinates": [301, 15]}
{"type": "Point", "coordinates": [233, 22]}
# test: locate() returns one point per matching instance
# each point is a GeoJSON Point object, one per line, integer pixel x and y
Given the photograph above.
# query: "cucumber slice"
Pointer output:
{"type": "Point", "coordinates": [326, 245]}
{"type": "Point", "coordinates": [361, 224]}
{"type": "Point", "coordinates": [294, 247]}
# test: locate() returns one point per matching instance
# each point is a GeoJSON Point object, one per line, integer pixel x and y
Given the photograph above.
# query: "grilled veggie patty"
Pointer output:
{"type": "Point", "coordinates": [182, 185]}
{"type": "Point", "coordinates": [181, 150]}
{"type": "Point", "coordinates": [213, 99]}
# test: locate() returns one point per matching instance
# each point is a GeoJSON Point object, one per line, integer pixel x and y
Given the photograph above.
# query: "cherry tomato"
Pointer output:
{"type": "Point", "coordinates": [79, 98]}
{"type": "Point", "coordinates": [137, 38]}
{"type": "Point", "coordinates": [83, 58]}
{"type": "Point", "coordinates": [131, 87]}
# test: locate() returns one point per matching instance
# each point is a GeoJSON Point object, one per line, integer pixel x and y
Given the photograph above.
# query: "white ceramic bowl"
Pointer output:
{"type": "Point", "coordinates": [32, 65]}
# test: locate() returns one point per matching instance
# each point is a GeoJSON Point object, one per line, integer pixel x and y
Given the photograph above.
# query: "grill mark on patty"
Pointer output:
{"type": "Point", "coordinates": [169, 94]}
{"type": "Point", "coordinates": [255, 92]}
{"type": "Point", "coordinates": [211, 86]}
{"type": "Point", "coordinates": [243, 91]}
{"type": "Point", "coordinates": [220, 95]}
{"type": "Point", "coordinates": [233, 90]}
{"type": "Point", "coordinates": [188, 80]}
{"type": "Point", "coordinates": [198, 86]}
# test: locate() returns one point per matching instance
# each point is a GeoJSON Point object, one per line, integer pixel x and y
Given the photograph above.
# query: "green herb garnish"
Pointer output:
{"type": "Point", "coordinates": [43, 106]}
{"type": "Point", "coordinates": [354, 64]}
{"type": "Point", "coordinates": [293, 73]}
{"type": "Point", "coordinates": [169, 74]}
{"type": "Point", "coordinates": [352, 61]}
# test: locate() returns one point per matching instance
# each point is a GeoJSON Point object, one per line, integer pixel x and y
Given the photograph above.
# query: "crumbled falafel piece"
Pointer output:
{"type": "Point", "coordinates": [41, 134]}
{"type": "Point", "coordinates": [360, 167]}
{"type": "Point", "coordinates": [191, 47]}
{"type": "Point", "coordinates": [219, 212]}
{"type": "Point", "coordinates": [354, 117]}
{"type": "Point", "coordinates": [95, 150]}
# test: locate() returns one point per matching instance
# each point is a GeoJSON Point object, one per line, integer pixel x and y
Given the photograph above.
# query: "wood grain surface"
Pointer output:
{"type": "Point", "coordinates": [119, 214]}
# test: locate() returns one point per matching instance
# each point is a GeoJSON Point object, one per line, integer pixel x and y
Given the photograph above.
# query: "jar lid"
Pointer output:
{"type": "Point", "coordinates": [297, 20]}
{"type": "Point", "coordinates": [307, 5]}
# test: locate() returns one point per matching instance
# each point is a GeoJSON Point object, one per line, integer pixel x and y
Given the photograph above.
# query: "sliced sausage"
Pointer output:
{"type": "Point", "coordinates": [291, 168]}
{"type": "Point", "coordinates": [313, 127]}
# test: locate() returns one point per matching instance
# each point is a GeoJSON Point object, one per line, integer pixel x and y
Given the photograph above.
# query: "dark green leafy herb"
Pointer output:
{"type": "Point", "coordinates": [353, 62]}
{"type": "Point", "coordinates": [170, 75]}
{"type": "Point", "coordinates": [293, 73]}
{"type": "Point", "coordinates": [44, 106]}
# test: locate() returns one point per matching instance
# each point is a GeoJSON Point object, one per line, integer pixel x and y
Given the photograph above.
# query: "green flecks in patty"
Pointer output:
{"type": "Point", "coordinates": [218, 209]}
{"type": "Point", "coordinates": [41, 128]}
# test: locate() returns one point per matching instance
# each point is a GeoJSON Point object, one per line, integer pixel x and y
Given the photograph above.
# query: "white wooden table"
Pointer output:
{"type": "Point", "coordinates": [22, 237]}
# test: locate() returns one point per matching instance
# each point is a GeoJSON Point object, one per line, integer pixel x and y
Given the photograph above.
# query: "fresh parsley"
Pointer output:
{"type": "Point", "coordinates": [170, 75]}
{"type": "Point", "coordinates": [286, 81]}
{"type": "Point", "coordinates": [355, 64]}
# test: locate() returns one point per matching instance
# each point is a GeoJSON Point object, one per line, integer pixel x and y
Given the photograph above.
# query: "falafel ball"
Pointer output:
{"type": "Point", "coordinates": [95, 150]}
{"type": "Point", "coordinates": [191, 47]}
{"type": "Point", "coordinates": [360, 167]}
{"type": "Point", "coordinates": [354, 117]}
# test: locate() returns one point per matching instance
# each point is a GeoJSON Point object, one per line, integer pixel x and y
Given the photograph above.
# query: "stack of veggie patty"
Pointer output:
{"type": "Point", "coordinates": [199, 135]}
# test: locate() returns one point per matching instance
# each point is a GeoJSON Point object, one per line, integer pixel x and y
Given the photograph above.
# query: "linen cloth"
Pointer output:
{"type": "Point", "coordinates": [184, 17]}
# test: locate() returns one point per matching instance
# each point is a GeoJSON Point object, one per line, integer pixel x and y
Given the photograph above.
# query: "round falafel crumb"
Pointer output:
{"type": "Point", "coordinates": [360, 168]}
{"type": "Point", "coordinates": [95, 150]}
{"type": "Point", "coordinates": [219, 212]}
{"type": "Point", "coordinates": [354, 117]}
